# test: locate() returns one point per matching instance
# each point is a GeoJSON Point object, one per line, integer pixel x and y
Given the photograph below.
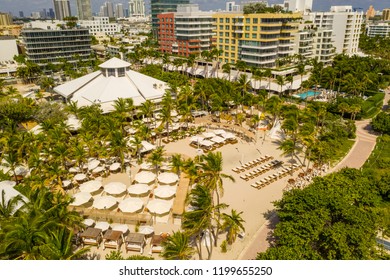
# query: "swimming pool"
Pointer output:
{"type": "Point", "coordinates": [307, 94]}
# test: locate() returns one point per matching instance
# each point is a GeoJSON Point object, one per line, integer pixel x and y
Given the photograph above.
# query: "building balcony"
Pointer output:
{"type": "Point", "coordinates": [259, 54]}
{"type": "Point", "coordinates": [260, 47]}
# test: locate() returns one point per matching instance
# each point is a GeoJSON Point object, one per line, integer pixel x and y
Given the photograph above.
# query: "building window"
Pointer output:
{"type": "Point", "coordinates": [220, 34]}
{"type": "Point", "coordinates": [247, 20]}
{"type": "Point", "coordinates": [254, 36]}
{"type": "Point", "coordinates": [247, 28]}
{"type": "Point", "coordinates": [226, 41]}
{"type": "Point", "coordinates": [220, 40]}
{"type": "Point", "coordinates": [110, 72]}
{"type": "Point", "coordinates": [255, 21]}
{"type": "Point", "coordinates": [227, 27]}
{"type": "Point", "coordinates": [226, 54]}
{"type": "Point", "coordinates": [246, 35]}
{"type": "Point", "coordinates": [121, 72]}
{"type": "Point", "coordinates": [254, 28]}
{"type": "Point", "coordinates": [226, 48]}
{"type": "Point", "coordinates": [221, 20]}
{"type": "Point", "coordinates": [227, 20]}
{"type": "Point", "coordinates": [233, 48]}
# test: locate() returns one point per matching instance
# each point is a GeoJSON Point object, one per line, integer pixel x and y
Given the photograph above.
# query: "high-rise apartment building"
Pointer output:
{"type": "Point", "coordinates": [107, 10]}
{"type": "Point", "coordinates": [5, 19]}
{"type": "Point", "coordinates": [136, 8]}
{"type": "Point", "coordinates": [163, 6]}
{"type": "Point", "coordinates": [84, 10]}
{"type": "Point", "coordinates": [257, 39]}
{"type": "Point", "coordinates": [370, 12]}
{"type": "Point", "coordinates": [54, 46]}
{"type": "Point", "coordinates": [386, 14]}
{"type": "Point", "coordinates": [21, 14]}
{"type": "Point", "coordinates": [188, 31]}
{"type": "Point", "coordinates": [62, 9]}
{"type": "Point", "coordinates": [100, 25]}
{"type": "Point", "coordinates": [345, 25]}
{"type": "Point", "coordinates": [381, 29]}
{"type": "Point", "coordinates": [298, 5]}
{"type": "Point", "coordinates": [232, 7]}
{"type": "Point", "coordinates": [119, 11]}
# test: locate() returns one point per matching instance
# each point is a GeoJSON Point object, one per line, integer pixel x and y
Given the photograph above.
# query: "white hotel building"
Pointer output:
{"type": "Point", "coordinates": [100, 25]}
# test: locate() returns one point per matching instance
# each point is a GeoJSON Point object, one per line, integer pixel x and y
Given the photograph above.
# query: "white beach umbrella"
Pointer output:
{"type": "Point", "coordinates": [131, 205]}
{"type": "Point", "coordinates": [228, 135]}
{"type": "Point", "coordinates": [166, 166]}
{"type": "Point", "coordinates": [219, 131]}
{"type": "Point", "coordinates": [217, 139]}
{"type": "Point", "coordinates": [104, 202]}
{"type": "Point", "coordinates": [168, 178]}
{"type": "Point", "coordinates": [208, 134]}
{"type": "Point", "coordinates": [93, 164]}
{"type": "Point", "coordinates": [131, 130]}
{"type": "Point", "coordinates": [196, 138]}
{"type": "Point", "coordinates": [80, 177]}
{"type": "Point", "coordinates": [206, 143]}
{"type": "Point", "coordinates": [89, 222]}
{"type": "Point", "coordinates": [145, 177]}
{"type": "Point", "coordinates": [146, 146]}
{"type": "Point", "coordinates": [91, 186]}
{"type": "Point", "coordinates": [146, 230]}
{"type": "Point", "coordinates": [7, 184]}
{"type": "Point", "coordinates": [81, 198]}
{"type": "Point", "coordinates": [73, 123]}
{"type": "Point", "coordinates": [121, 227]}
{"type": "Point", "coordinates": [21, 170]}
{"type": "Point", "coordinates": [98, 169]}
{"type": "Point", "coordinates": [173, 113]}
{"type": "Point", "coordinates": [159, 207]}
{"type": "Point", "coordinates": [66, 183]}
{"type": "Point", "coordinates": [102, 225]}
{"type": "Point", "coordinates": [165, 191]}
{"type": "Point", "coordinates": [138, 189]}
{"type": "Point", "coordinates": [115, 188]}
{"type": "Point", "coordinates": [115, 166]}
{"type": "Point", "coordinates": [74, 169]}
{"type": "Point", "coordinates": [146, 166]}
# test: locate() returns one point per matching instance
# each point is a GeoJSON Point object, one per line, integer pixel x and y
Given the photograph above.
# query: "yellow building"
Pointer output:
{"type": "Point", "coordinates": [386, 14]}
{"type": "Point", "coordinates": [5, 19]}
{"type": "Point", "coordinates": [257, 39]}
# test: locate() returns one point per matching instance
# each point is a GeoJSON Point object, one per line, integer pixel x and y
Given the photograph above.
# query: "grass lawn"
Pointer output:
{"type": "Point", "coordinates": [343, 150]}
{"type": "Point", "coordinates": [380, 156]}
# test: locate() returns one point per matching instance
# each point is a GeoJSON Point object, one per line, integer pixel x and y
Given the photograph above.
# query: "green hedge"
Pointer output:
{"type": "Point", "coordinates": [372, 105]}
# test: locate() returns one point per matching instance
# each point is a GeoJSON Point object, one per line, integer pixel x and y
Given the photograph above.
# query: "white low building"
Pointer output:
{"type": "Point", "coordinates": [100, 25]}
{"type": "Point", "coordinates": [114, 80]}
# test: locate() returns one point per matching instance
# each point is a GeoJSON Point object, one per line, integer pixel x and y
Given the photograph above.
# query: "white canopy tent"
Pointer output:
{"type": "Point", "coordinates": [115, 188]}
{"type": "Point", "coordinates": [81, 198]}
{"type": "Point", "coordinates": [159, 207]}
{"type": "Point", "coordinates": [131, 205]}
{"type": "Point", "coordinates": [104, 202]}
{"type": "Point", "coordinates": [165, 191]}
{"type": "Point", "coordinates": [90, 186]}
{"type": "Point", "coordinates": [102, 225]}
{"type": "Point", "coordinates": [145, 177]}
{"type": "Point", "coordinates": [138, 189]}
{"type": "Point", "coordinates": [167, 178]}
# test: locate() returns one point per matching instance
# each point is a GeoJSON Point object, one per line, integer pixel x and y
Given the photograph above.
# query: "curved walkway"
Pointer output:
{"type": "Point", "coordinates": [359, 153]}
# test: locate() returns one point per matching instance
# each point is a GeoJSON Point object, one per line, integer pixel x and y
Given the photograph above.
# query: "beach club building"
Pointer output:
{"type": "Point", "coordinates": [114, 80]}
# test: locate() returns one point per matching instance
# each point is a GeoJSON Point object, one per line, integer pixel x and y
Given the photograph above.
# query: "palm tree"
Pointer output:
{"type": "Point", "coordinates": [240, 66]}
{"type": "Point", "coordinates": [290, 79]}
{"type": "Point", "coordinates": [157, 157]}
{"type": "Point", "coordinates": [177, 247]}
{"type": "Point", "coordinates": [233, 224]}
{"type": "Point", "coordinates": [226, 68]}
{"type": "Point", "coordinates": [12, 160]}
{"type": "Point", "coordinates": [198, 220]}
{"type": "Point", "coordinates": [136, 144]}
{"type": "Point", "coordinates": [118, 146]}
{"type": "Point", "coordinates": [206, 56]}
{"type": "Point", "coordinates": [212, 177]}
{"type": "Point", "coordinates": [8, 208]}
{"type": "Point", "coordinates": [301, 71]}
{"type": "Point", "coordinates": [342, 108]}
{"type": "Point", "coordinates": [354, 109]}
{"type": "Point", "coordinates": [280, 81]}
{"type": "Point", "coordinates": [177, 163]}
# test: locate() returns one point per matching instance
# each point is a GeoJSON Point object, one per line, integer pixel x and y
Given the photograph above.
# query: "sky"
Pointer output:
{"type": "Point", "coordinates": [28, 6]}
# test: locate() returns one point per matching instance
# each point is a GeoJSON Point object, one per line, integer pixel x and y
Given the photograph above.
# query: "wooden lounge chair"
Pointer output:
{"type": "Point", "coordinates": [112, 239]}
{"type": "Point", "coordinates": [156, 243]}
{"type": "Point", "coordinates": [91, 236]}
{"type": "Point", "coordinates": [135, 242]}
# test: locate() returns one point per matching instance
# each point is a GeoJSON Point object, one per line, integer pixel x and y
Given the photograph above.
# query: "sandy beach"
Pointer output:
{"type": "Point", "coordinates": [239, 195]}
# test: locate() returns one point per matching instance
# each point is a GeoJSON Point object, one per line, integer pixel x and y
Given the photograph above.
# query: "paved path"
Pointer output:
{"type": "Point", "coordinates": [361, 150]}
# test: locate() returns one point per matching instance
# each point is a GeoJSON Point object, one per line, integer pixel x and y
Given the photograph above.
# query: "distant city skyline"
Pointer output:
{"type": "Point", "coordinates": [38, 5]}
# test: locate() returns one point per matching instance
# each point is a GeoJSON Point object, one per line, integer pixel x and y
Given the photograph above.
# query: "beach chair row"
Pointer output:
{"type": "Point", "coordinates": [252, 163]}
{"type": "Point", "coordinates": [260, 170]}
{"type": "Point", "coordinates": [274, 177]}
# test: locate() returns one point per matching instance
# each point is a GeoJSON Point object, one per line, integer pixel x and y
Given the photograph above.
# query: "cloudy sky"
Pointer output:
{"type": "Point", "coordinates": [28, 6]}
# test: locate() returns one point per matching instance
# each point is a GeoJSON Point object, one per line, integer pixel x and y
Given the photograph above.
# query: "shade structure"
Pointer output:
{"type": "Point", "coordinates": [159, 207]}
{"type": "Point", "coordinates": [173, 113]}
{"type": "Point", "coordinates": [208, 134]}
{"type": "Point", "coordinates": [131, 130]}
{"type": "Point", "coordinates": [98, 169]}
{"type": "Point", "coordinates": [81, 198]}
{"type": "Point", "coordinates": [146, 166]}
{"type": "Point", "coordinates": [165, 191]}
{"type": "Point", "coordinates": [206, 143]}
{"type": "Point", "coordinates": [7, 184]}
{"type": "Point", "coordinates": [89, 222]}
{"type": "Point", "coordinates": [74, 169]}
{"type": "Point", "coordinates": [91, 186]}
{"type": "Point", "coordinates": [145, 177]}
{"type": "Point", "coordinates": [104, 202]}
{"type": "Point", "coordinates": [115, 166]}
{"type": "Point", "coordinates": [66, 183]}
{"type": "Point", "coordinates": [121, 227]}
{"type": "Point", "coordinates": [166, 167]}
{"type": "Point", "coordinates": [21, 170]}
{"type": "Point", "coordinates": [102, 225]}
{"type": "Point", "coordinates": [167, 178]}
{"type": "Point", "coordinates": [138, 189]}
{"type": "Point", "coordinates": [146, 230]}
{"type": "Point", "coordinates": [131, 205]}
{"type": "Point", "coordinates": [80, 177]}
{"type": "Point", "coordinates": [146, 147]}
{"type": "Point", "coordinates": [217, 139]}
{"type": "Point", "coordinates": [196, 138]}
{"type": "Point", "coordinates": [115, 188]}
{"type": "Point", "coordinates": [93, 164]}
{"type": "Point", "coordinates": [228, 135]}
{"type": "Point", "coordinates": [219, 131]}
